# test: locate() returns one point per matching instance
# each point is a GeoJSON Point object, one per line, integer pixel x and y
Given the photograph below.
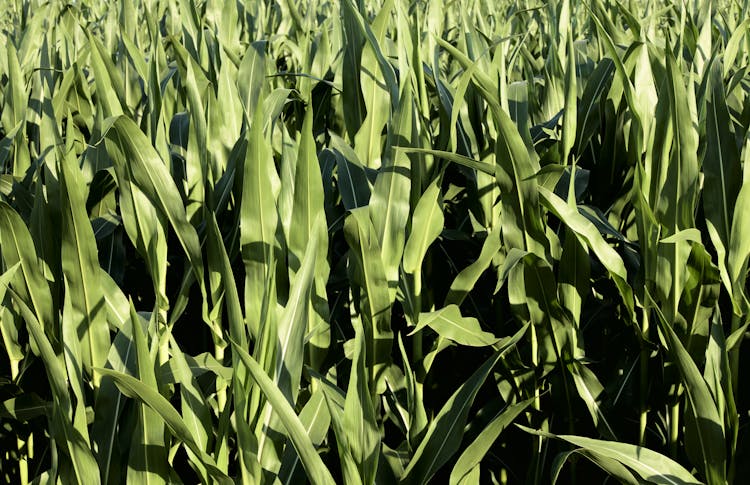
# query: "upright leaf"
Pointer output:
{"type": "Point", "coordinates": [80, 264]}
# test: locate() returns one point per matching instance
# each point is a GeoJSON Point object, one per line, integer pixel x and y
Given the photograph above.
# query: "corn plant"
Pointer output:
{"type": "Point", "coordinates": [364, 241]}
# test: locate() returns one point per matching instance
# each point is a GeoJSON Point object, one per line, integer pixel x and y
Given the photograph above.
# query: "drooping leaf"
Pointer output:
{"type": "Point", "coordinates": [448, 323]}
{"type": "Point", "coordinates": [648, 464]}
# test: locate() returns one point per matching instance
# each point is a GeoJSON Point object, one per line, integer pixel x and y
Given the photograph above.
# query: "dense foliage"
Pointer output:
{"type": "Point", "coordinates": [365, 241]}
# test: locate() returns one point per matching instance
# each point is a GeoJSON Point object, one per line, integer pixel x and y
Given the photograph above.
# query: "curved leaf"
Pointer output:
{"type": "Point", "coordinates": [317, 472]}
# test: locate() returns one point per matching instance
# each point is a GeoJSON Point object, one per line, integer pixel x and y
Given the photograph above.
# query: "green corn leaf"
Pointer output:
{"type": "Point", "coordinates": [316, 471]}
{"type": "Point", "coordinates": [590, 390]}
{"type": "Point", "coordinates": [9, 327]}
{"type": "Point", "coordinates": [573, 275]}
{"type": "Point", "coordinates": [352, 181]}
{"type": "Point", "coordinates": [427, 224]}
{"type": "Point", "coordinates": [614, 468]}
{"type": "Point", "coordinates": [587, 233]}
{"type": "Point", "coordinates": [596, 86]}
{"type": "Point", "coordinates": [259, 217]}
{"type": "Point", "coordinates": [81, 268]}
{"type": "Point", "coordinates": [351, 68]}
{"type": "Point", "coordinates": [289, 346]}
{"type": "Point", "coordinates": [109, 85]}
{"type": "Point", "coordinates": [293, 325]}
{"type": "Point", "coordinates": [109, 405]}
{"type": "Point", "coordinates": [648, 464]}
{"type": "Point", "coordinates": [29, 282]}
{"type": "Point", "coordinates": [367, 141]}
{"type": "Point", "coordinates": [132, 387]}
{"type": "Point", "coordinates": [733, 47]}
{"type": "Point", "coordinates": [15, 102]}
{"type": "Point", "coordinates": [362, 437]}
{"type": "Point", "coordinates": [443, 436]}
{"type": "Point", "coordinates": [476, 451]}
{"type": "Point", "coordinates": [389, 203]}
{"type": "Point", "coordinates": [196, 365]}
{"type": "Point", "coordinates": [200, 171]}
{"type": "Point", "coordinates": [73, 366]}
{"type": "Point", "coordinates": [125, 142]}
{"type": "Point", "coordinates": [448, 323]}
{"type": "Point", "coordinates": [322, 181]}
{"type": "Point", "coordinates": [532, 292]}
{"type": "Point", "coordinates": [414, 401]}
{"type": "Point", "coordinates": [454, 158]}
{"type": "Point", "coordinates": [721, 166]}
{"type": "Point", "coordinates": [468, 277]}
{"type": "Point", "coordinates": [195, 410]}
{"type": "Point", "coordinates": [251, 76]}
{"type": "Point", "coordinates": [521, 219]}
{"type": "Point", "coordinates": [368, 273]}
{"type": "Point", "coordinates": [25, 407]}
{"type": "Point", "coordinates": [71, 439]}
{"type": "Point", "coordinates": [148, 459]}
{"type": "Point", "coordinates": [13, 116]}
{"type": "Point", "coordinates": [308, 221]}
{"type": "Point", "coordinates": [570, 110]}
{"type": "Point", "coordinates": [355, 22]}
{"type": "Point", "coordinates": [316, 420]}
{"type": "Point", "coordinates": [739, 247]}
{"type": "Point", "coordinates": [710, 424]}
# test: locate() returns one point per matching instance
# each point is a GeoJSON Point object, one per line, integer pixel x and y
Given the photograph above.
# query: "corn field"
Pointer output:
{"type": "Point", "coordinates": [374, 241]}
